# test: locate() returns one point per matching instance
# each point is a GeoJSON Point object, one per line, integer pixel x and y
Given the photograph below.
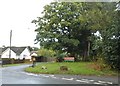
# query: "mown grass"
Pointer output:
{"type": "Point", "coordinates": [76, 68]}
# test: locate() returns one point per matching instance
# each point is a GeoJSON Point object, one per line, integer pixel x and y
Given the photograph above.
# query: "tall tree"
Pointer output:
{"type": "Point", "coordinates": [62, 28]}
{"type": "Point", "coordinates": [112, 40]}
{"type": "Point", "coordinates": [71, 26]}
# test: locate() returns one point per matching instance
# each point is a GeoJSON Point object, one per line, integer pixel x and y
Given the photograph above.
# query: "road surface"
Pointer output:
{"type": "Point", "coordinates": [16, 75]}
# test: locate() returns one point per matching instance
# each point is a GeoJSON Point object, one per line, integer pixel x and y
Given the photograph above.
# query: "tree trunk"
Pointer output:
{"type": "Point", "coordinates": [88, 51]}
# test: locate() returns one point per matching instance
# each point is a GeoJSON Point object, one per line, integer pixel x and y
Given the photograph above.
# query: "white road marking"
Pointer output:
{"type": "Point", "coordinates": [96, 83]}
{"type": "Point", "coordinates": [85, 79]}
{"type": "Point", "coordinates": [54, 77]}
{"type": "Point", "coordinates": [35, 75]}
{"type": "Point", "coordinates": [45, 76]}
{"type": "Point", "coordinates": [82, 81]}
{"type": "Point", "coordinates": [109, 82]}
{"type": "Point", "coordinates": [91, 80]}
{"type": "Point", "coordinates": [101, 81]}
{"type": "Point", "coordinates": [68, 79]}
{"type": "Point", "coordinates": [29, 74]}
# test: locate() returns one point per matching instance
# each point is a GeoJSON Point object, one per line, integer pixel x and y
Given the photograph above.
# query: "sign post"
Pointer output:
{"type": "Point", "coordinates": [33, 59]}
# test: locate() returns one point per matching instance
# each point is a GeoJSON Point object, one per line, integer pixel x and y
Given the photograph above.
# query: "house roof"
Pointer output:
{"type": "Point", "coordinates": [3, 49]}
{"type": "Point", "coordinates": [17, 50]}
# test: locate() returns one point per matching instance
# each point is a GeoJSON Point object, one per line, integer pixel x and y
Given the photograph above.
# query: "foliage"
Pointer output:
{"type": "Point", "coordinates": [46, 52]}
{"type": "Point", "coordinates": [35, 49]}
{"type": "Point", "coordinates": [100, 64]}
{"type": "Point", "coordinates": [60, 56]}
{"type": "Point", "coordinates": [71, 26]}
{"type": "Point", "coordinates": [111, 44]}
{"type": "Point", "coordinates": [66, 26]}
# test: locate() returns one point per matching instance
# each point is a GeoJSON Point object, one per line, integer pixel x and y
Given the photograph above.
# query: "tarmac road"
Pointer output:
{"type": "Point", "coordinates": [16, 75]}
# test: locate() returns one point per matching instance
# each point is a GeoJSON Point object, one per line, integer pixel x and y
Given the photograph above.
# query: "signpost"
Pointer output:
{"type": "Point", "coordinates": [33, 59]}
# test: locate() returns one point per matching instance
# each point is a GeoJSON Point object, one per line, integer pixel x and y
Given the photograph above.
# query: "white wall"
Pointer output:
{"type": "Point", "coordinates": [25, 54]}
{"type": "Point", "coordinates": [5, 54]}
{"type": "Point", "coordinates": [17, 56]}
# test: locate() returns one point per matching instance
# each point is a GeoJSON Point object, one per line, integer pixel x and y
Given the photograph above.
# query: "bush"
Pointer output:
{"type": "Point", "coordinates": [46, 52]}
{"type": "Point", "coordinates": [60, 57]}
{"type": "Point", "coordinates": [100, 64]}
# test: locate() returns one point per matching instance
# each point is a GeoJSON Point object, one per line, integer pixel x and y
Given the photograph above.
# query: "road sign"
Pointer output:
{"type": "Point", "coordinates": [69, 58]}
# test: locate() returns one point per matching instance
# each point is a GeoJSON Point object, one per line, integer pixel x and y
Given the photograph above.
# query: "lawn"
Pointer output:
{"type": "Point", "coordinates": [76, 68]}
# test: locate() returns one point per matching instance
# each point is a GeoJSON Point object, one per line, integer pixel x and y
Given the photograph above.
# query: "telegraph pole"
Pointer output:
{"type": "Point", "coordinates": [10, 43]}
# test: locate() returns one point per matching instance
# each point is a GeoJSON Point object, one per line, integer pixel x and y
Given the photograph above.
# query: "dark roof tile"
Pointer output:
{"type": "Point", "coordinates": [17, 50]}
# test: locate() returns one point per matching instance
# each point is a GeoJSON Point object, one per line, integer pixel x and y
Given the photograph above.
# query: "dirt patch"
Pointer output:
{"type": "Point", "coordinates": [63, 68]}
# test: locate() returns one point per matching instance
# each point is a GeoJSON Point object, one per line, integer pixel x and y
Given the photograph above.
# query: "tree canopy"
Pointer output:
{"type": "Point", "coordinates": [71, 26]}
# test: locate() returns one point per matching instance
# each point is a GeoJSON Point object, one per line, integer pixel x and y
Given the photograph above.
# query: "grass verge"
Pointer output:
{"type": "Point", "coordinates": [75, 68]}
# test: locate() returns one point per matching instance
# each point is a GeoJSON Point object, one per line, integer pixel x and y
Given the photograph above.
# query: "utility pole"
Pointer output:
{"type": "Point", "coordinates": [10, 43]}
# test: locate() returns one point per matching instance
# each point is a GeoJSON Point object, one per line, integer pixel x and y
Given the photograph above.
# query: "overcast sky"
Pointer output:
{"type": "Point", "coordinates": [16, 15]}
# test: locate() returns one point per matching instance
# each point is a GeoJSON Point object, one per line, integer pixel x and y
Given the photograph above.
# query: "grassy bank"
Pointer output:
{"type": "Point", "coordinates": [76, 68]}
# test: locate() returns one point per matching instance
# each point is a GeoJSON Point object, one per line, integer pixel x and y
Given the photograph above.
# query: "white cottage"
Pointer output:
{"type": "Point", "coordinates": [16, 53]}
